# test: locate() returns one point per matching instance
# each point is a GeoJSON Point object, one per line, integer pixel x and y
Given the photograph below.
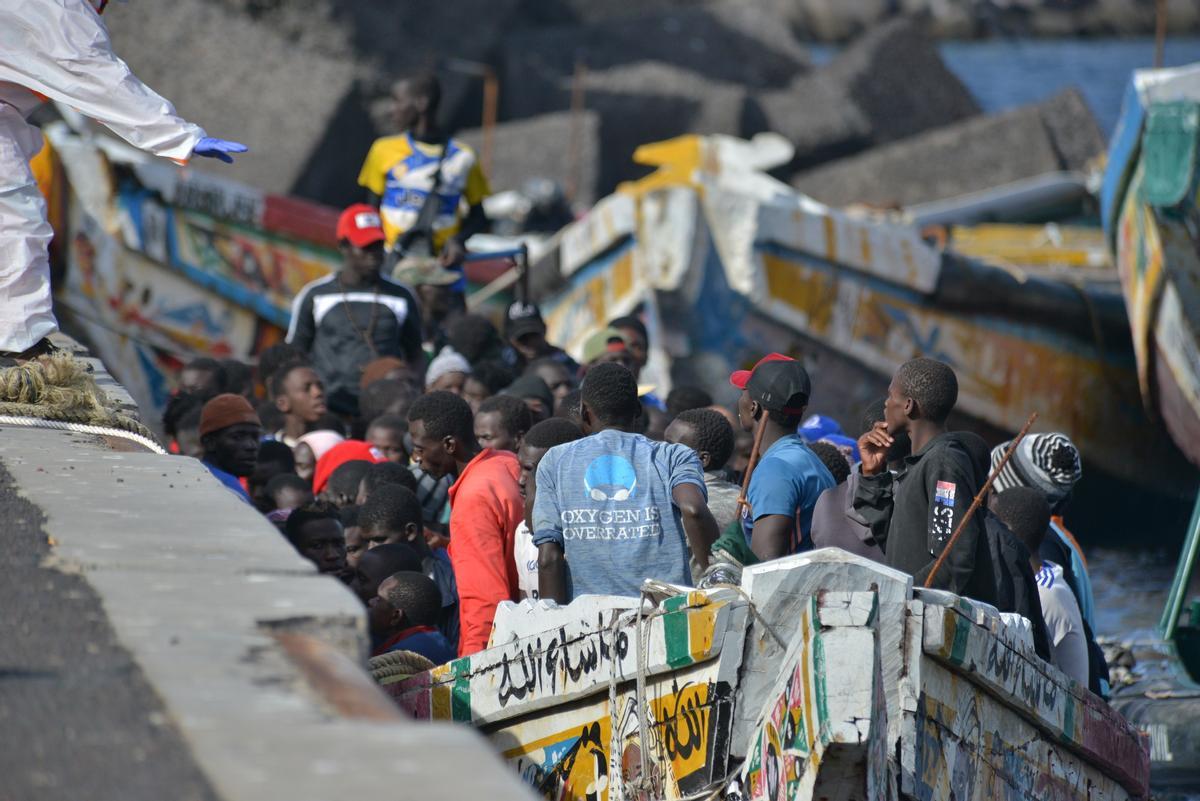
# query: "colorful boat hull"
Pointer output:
{"type": "Point", "coordinates": [1152, 215]}
{"type": "Point", "coordinates": [730, 264]}
{"type": "Point", "coordinates": [822, 676]}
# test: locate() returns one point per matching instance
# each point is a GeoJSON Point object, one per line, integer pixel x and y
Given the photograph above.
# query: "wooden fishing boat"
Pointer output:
{"type": "Point", "coordinates": [729, 263]}
{"type": "Point", "coordinates": [726, 263]}
{"type": "Point", "coordinates": [1155, 678]}
{"type": "Point", "coordinates": [156, 264]}
{"type": "Point", "coordinates": [823, 675]}
{"type": "Point", "coordinates": [1151, 215]}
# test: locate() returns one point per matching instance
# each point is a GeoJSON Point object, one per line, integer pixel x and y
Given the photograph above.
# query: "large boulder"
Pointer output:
{"type": "Point", "coordinates": [559, 147]}
{"type": "Point", "coordinates": [387, 40]}
{"type": "Point", "coordinates": [1057, 134]}
{"type": "Point", "coordinates": [299, 112]}
{"type": "Point", "coordinates": [886, 85]}
{"type": "Point", "coordinates": [897, 79]}
{"type": "Point", "coordinates": [815, 115]}
{"type": "Point", "coordinates": [729, 43]}
{"type": "Point", "coordinates": [651, 101]}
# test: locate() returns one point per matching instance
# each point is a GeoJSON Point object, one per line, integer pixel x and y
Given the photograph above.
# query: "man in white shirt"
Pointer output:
{"type": "Point", "coordinates": [1025, 511]}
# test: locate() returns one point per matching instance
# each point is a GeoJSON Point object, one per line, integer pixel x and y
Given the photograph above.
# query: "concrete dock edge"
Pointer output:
{"type": "Point", "coordinates": [196, 585]}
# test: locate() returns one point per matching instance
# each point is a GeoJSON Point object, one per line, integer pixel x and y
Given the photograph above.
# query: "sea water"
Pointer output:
{"type": "Point", "coordinates": [1006, 73]}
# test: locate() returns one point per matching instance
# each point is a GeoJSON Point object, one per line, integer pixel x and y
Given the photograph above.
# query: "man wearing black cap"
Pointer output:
{"type": "Point", "coordinates": [789, 477]}
{"type": "Point", "coordinates": [525, 333]}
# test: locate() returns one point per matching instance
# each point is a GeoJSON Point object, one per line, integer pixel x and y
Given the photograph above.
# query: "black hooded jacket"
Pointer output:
{"type": "Point", "coordinates": [913, 513]}
{"type": "Point", "coordinates": [1016, 587]}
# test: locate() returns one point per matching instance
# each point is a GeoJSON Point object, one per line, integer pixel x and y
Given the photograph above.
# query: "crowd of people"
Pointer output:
{"type": "Point", "coordinates": [440, 464]}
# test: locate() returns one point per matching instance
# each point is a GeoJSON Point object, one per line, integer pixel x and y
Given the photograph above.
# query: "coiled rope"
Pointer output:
{"type": "Point", "coordinates": [397, 665]}
{"type": "Point", "coordinates": [83, 428]}
{"type": "Point", "coordinates": [59, 392]}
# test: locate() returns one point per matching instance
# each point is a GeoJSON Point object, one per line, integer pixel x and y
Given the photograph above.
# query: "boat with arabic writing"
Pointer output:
{"type": "Point", "coordinates": [822, 675]}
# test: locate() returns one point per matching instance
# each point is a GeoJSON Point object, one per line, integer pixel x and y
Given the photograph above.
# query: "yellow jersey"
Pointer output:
{"type": "Point", "coordinates": [400, 169]}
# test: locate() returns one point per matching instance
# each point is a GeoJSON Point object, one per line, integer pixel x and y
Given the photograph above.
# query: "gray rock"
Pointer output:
{"type": "Point", "coordinates": [541, 147]}
{"type": "Point", "coordinates": [387, 40]}
{"type": "Point", "coordinates": [888, 84]}
{"type": "Point", "coordinates": [815, 114]}
{"type": "Point", "coordinates": [897, 79]}
{"type": "Point", "coordinates": [747, 44]}
{"type": "Point", "coordinates": [984, 152]}
{"type": "Point", "coordinates": [651, 101]}
{"type": "Point", "coordinates": [299, 112]}
{"type": "Point", "coordinates": [838, 20]}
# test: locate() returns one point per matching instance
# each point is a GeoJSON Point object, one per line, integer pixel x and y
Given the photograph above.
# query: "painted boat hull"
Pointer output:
{"type": "Point", "coordinates": [843, 682]}
{"type": "Point", "coordinates": [728, 265]}
{"type": "Point", "coordinates": [1156, 252]}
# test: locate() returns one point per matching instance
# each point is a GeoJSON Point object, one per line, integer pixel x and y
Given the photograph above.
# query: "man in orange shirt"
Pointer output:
{"type": "Point", "coordinates": [485, 509]}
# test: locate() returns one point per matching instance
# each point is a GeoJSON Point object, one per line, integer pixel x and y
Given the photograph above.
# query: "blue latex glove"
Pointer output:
{"type": "Point", "coordinates": [218, 149]}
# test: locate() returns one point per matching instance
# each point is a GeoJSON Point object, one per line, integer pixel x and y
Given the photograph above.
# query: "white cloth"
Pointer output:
{"type": "Point", "coordinates": [25, 306]}
{"type": "Point", "coordinates": [60, 49]}
{"type": "Point", "coordinates": [525, 554]}
{"type": "Point", "coordinates": [1064, 624]}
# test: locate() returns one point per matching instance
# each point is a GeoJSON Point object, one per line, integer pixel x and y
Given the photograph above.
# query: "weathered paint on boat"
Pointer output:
{"type": "Point", "coordinates": [824, 676]}
{"type": "Point", "coordinates": [165, 261]}
{"type": "Point", "coordinates": [731, 264]}
{"type": "Point", "coordinates": [1155, 249]}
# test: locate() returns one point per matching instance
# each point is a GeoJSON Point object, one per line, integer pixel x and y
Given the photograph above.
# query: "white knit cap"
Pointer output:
{"type": "Point", "coordinates": [446, 362]}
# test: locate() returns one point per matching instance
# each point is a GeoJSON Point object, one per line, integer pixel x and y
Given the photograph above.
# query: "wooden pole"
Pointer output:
{"type": "Point", "coordinates": [1160, 31]}
{"type": "Point", "coordinates": [987, 485]}
{"type": "Point", "coordinates": [575, 140]}
{"type": "Point", "coordinates": [491, 105]}
{"type": "Point", "coordinates": [754, 454]}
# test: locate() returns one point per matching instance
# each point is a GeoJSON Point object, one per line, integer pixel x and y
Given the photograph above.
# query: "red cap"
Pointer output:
{"type": "Point", "coordinates": [361, 225]}
{"type": "Point", "coordinates": [739, 378]}
{"type": "Point", "coordinates": [348, 451]}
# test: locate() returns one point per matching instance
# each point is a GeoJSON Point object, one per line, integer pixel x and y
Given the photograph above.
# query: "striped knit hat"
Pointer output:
{"type": "Point", "coordinates": [1047, 462]}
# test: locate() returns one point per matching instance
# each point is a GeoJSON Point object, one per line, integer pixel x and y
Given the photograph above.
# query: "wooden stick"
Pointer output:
{"type": "Point", "coordinates": [987, 485]}
{"type": "Point", "coordinates": [754, 454]}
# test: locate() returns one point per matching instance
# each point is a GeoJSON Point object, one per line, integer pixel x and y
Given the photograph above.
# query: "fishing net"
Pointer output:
{"type": "Point", "coordinates": [59, 387]}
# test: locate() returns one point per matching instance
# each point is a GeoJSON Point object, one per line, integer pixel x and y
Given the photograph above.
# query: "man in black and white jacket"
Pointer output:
{"type": "Point", "coordinates": [355, 315]}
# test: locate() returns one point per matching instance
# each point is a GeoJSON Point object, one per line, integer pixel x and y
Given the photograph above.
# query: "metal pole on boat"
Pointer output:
{"type": "Point", "coordinates": [1160, 31]}
{"type": "Point", "coordinates": [1177, 597]}
{"type": "Point", "coordinates": [987, 485]}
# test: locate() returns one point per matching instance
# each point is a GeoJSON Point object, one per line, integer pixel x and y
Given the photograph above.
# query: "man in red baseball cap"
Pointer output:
{"type": "Point", "coordinates": [355, 315]}
{"type": "Point", "coordinates": [789, 477]}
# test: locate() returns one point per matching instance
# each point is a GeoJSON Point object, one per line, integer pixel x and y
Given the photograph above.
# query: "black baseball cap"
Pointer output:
{"type": "Point", "coordinates": [780, 386]}
{"type": "Point", "coordinates": [522, 319]}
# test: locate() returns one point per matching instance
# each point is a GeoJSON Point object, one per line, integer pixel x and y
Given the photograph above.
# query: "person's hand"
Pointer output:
{"type": "Point", "coordinates": [435, 540]}
{"type": "Point", "coordinates": [873, 447]}
{"type": "Point", "coordinates": [453, 252]}
{"type": "Point", "coordinates": [218, 149]}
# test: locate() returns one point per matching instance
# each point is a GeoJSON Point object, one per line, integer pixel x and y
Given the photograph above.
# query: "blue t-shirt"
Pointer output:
{"type": "Point", "coordinates": [607, 500]}
{"type": "Point", "coordinates": [787, 481]}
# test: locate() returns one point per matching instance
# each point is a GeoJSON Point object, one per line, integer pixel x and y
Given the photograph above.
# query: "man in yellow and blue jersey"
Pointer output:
{"type": "Point", "coordinates": [399, 173]}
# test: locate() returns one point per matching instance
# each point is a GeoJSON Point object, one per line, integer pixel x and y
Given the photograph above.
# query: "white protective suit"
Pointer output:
{"type": "Point", "coordinates": [60, 49]}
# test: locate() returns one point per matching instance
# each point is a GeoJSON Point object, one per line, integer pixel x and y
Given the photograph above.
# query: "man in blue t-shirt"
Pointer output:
{"type": "Point", "coordinates": [615, 506]}
{"type": "Point", "coordinates": [789, 477]}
